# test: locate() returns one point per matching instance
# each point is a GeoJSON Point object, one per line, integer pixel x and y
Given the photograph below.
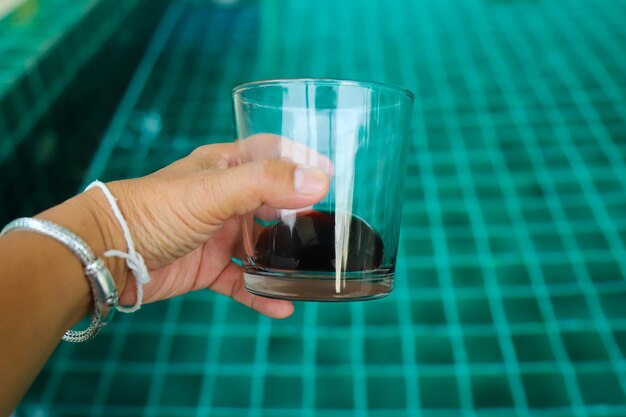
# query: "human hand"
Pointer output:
{"type": "Point", "coordinates": [184, 222]}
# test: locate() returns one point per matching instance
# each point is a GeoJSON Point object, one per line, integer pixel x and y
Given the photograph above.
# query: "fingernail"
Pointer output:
{"type": "Point", "coordinates": [309, 180]}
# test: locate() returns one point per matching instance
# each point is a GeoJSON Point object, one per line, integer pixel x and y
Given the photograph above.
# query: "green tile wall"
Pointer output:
{"type": "Point", "coordinates": [58, 118]}
{"type": "Point", "coordinates": [512, 267]}
{"type": "Point", "coordinates": [43, 45]}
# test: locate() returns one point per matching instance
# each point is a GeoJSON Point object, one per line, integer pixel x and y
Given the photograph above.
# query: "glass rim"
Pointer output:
{"type": "Point", "coordinates": [323, 81]}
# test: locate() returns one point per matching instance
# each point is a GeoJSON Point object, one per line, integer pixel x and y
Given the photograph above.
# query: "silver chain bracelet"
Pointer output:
{"type": "Point", "coordinates": [102, 285]}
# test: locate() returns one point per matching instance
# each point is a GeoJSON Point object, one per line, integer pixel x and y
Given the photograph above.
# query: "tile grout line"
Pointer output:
{"type": "Point", "coordinates": [137, 84]}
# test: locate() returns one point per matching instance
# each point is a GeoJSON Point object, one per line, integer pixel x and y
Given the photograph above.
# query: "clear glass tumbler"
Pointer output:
{"type": "Point", "coordinates": [345, 246]}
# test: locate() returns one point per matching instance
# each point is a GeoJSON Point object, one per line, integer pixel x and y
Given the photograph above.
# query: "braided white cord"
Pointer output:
{"type": "Point", "coordinates": [133, 259]}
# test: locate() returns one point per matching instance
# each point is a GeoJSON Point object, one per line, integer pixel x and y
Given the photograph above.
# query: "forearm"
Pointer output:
{"type": "Point", "coordinates": [43, 292]}
{"type": "Point", "coordinates": [183, 220]}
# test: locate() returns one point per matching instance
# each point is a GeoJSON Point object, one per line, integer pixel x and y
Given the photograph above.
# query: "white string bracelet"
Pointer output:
{"type": "Point", "coordinates": [134, 260]}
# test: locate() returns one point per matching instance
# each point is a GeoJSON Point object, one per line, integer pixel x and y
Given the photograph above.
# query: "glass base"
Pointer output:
{"type": "Point", "coordinates": [318, 289]}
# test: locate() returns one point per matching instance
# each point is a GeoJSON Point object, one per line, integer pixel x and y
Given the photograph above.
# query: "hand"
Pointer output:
{"type": "Point", "coordinates": [184, 222]}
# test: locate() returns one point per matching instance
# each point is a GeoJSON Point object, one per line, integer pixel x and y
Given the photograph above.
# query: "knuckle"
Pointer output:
{"type": "Point", "coordinates": [214, 208]}
{"type": "Point", "coordinates": [275, 172]}
{"type": "Point", "coordinates": [219, 200]}
{"type": "Point", "coordinates": [210, 156]}
{"type": "Point", "coordinates": [203, 150]}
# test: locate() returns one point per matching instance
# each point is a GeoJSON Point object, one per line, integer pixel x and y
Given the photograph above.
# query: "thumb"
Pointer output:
{"type": "Point", "coordinates": [273, 182]}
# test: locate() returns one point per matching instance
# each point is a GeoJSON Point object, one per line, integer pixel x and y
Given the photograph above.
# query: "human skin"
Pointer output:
{"type": "Point", "coordinates": [184, 222]}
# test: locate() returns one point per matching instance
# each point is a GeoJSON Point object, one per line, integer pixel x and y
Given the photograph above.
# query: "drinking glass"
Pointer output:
{"type": "Point", "coordinates": [345, 246]}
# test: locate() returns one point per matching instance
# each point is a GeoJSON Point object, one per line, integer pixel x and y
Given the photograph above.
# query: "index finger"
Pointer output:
{"type": "Point", "coordinates": [270, 146]}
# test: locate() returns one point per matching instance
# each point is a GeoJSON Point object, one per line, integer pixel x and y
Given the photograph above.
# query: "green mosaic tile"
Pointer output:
{"type": "Point", "coordinates": [511, 269]}
{"type": "Point", "coordinates": [43, 45]}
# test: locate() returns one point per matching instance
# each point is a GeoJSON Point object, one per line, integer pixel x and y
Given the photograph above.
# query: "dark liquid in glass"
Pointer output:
{"type": "Point", "coordinates": [309, 245]}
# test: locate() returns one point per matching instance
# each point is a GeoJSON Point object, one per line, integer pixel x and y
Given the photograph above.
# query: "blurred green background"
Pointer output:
{"type": "Point", "coordinates": [511, 292]}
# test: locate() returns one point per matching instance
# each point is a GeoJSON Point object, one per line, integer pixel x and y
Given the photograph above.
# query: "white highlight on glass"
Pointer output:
{"type": "Point", "coordinates": [346, 145]}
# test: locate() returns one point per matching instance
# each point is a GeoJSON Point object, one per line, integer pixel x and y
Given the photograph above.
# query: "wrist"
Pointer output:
{"type": "Point", "coordinates": [89, 216]}
{"type": "Point", "coordinates": [108, 234]}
